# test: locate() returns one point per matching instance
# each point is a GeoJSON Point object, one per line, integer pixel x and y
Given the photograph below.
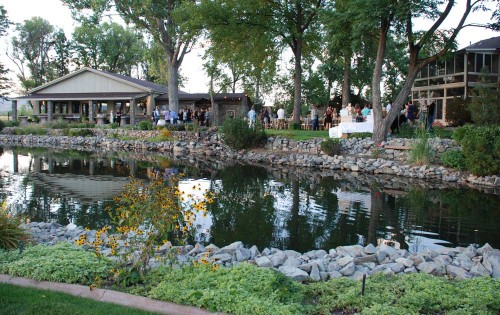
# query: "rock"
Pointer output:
{"type": "Point", "coordinates": [314, 275]}
{"type": "Point", "coordinates": [263, 261]}
{"type": "Point", "coordinates": [410, 270]}
{"type": "Point", "coordinates": [380, 256]}
{"type": "Point", "coordinates": [456, 272]}
{"type": "Point", "coordinates": [370, 249]}
{"type": "Point", "coordinates": [334, 275]}
{"type": "Point", "coordinates": [254, 251]}
{"type": "Point", "coordinates": [485, 249]}
{"type": "Point", "coordinates": [211, 248]}
{"type": "Point", "coordinates": [470, 252]}
{"type": "Point", "coordinates": [405, 261]}
{"type": "Point", "coordinates": [463, 261]}
{"type": "Point", "coordinates": [427, 267]}
{"type": "Point", "coordinates": [231, 248]}
{"type": "Point", "coordinates": [292, 253]}
{"type": "Point", "coordinates": [294, 273]}
{"type": "Point", "coordinates": [333, 266]}
{"type": "Point", "coordinates": [365, 259]}
{"type": "Point", "coordinates": [243, 254]}
{"type": "Point", "coordinates": [357, 275]}
{"type": "Point", "coordinates": [417, 259]}
{"type": "Point", "coordinates": [478, 270]}
{"type": "Point", "coordinates": [316, 254]}
{"type": "Point", "coordinates": [443, 259]}
{"type": "Point", "coordinates": [278, 259]}
{"type": "Point", "coordinates": [348, 270]}
{"type": "Point", "coordinates": [292, 261]}
{"type": "Point", "coordinates": [345, 261]}
{"type": "Point", "coordinates": [396, 267]}
{"type": "Point", "coordinates": [353, 251]}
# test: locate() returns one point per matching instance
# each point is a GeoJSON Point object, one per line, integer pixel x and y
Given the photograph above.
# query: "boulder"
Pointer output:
{"type": "Point", "coordinates": [370, 249]}
{"type": "Point", "coordinates": [344, 261]}
{"type": "Point", "coordinates": [292, 262]}
{"type": "Point", "coordinates": [294, 273]}
{"type": "Point", "coordinates": [405, 261]}
{"type": "Point", "coordinates": [457, 272]}
{"type": "Point", "coordinates": [365, 259]}
{"type": "Point", "coordinates": [478, 270]}
{"type": "Point", "coordinates": [243, 254]}
{"type": "Point", "coordinates": [278, 259]}
{"type": "Point", "coordinates": [348, 270]}
{"type": "Point", "coordinates": [263, 261]}
{"type": "Point", "coordinates": [314, 275]}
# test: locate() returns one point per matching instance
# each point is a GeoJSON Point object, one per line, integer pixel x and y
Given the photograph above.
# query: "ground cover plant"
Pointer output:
{"type": "Point", "coordinates": [60, 263]}
{"type": "Point", "coordinates": [20, 300]}
{"type": "Point", "coordinates": [298, 134]}
{"type": "Point", "coordinates": [10, 233]}
{"type": "Point", "coordinates": [238, 135]}
{"type": "Point", "coordinates": [331, 147]}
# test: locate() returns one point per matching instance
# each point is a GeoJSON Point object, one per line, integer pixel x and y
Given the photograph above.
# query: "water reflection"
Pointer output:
{"type": "Point", "coordinates": [252, 205]}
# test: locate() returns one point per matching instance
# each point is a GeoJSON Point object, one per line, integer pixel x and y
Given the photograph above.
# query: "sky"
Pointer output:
{"type": "Point", "coordinates": [192, 67]}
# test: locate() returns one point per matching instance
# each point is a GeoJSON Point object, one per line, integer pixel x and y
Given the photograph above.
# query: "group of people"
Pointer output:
{"type": "Point", "coordinates": [425, 114]}
{"type": "Point", "coordinates": [184, 116]}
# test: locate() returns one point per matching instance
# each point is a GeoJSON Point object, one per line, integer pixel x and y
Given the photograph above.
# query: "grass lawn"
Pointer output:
{"type": "Point", "coordinates": [298, 134]}
{"type": "Point", "coordinates": [20, 300]}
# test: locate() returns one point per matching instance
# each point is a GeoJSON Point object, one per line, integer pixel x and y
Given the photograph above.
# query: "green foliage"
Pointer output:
{"type": "Point", "coordinates": [193, 126]}
{"type": "Point", "coordinates": [176, 127]}
{"type": "Point", "coordinates": [457, 112]}
{"type": "Point", "coordinates": [360, 135]}
{"type": "Point", "coordinates": [114, 125]}
{"type": "Point", "coordinates": [81, 125]}
{"type": "Point", "coordinates": [421, 153]}
{"type": "Point", "coordinates": [145, 125]}
{"type": "Point", "coordinates": [244, 289]}
{"type": "Point", "coordinates": [295, 126]}
{"type": "Point", "coordinates": [331, 146]}
{"type": "Point", "coordinates": [58, 124]}
{"type": "Point", "coordinates": [20, 300]}
{"type": "Point", "coordinates": [80, 133]}
{"type": "Point", "coordinates": [2, 125]}
{"type": "Point", "coordinates": [409, 294]}
{"type": "Point", "coordinates": [10, 233]}
{"type": "Point", "coordinates": [11, 123]}
{"type": "Point", "coordinates": [481, 148]}
{"type": "Point", "coordinates": [454, 159]}
{"type": "Point", "coordinates": [60, 263]}
{"type": "Point", "coordinates": [485, 100]}
{"type": "Point", "coordinates": [406, 131]}
{"type": "Point", "coordinates": [238, 135]}
{"type": "Point", "coordinates": [31, 130]}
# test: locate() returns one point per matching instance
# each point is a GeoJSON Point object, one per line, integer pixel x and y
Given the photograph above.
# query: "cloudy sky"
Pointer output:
{"type": "Point", "coordinates": [59, 16]}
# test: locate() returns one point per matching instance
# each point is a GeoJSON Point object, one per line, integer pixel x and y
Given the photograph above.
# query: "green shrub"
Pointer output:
{"type": "Point", "coordinates": [192, 126]}
{"type": "Point", "coordinates": [80, 133]}
{"type": "Point", "coordinates": [11, 123]}
{"type": "Point", "coordinates": [58, 124]}
{"type": "Point", "coordinates": [31, 130]}
{"type": "Point", "coordinates": [406, 131]}
{"type": "Point", "coordinates": [481, 148]}
{"type": "Point", "coordinates": [485, 97]}
{"type": "Point", "coordinates": [295, 126]}
{"type": "Point", "coordinates": [238, 135]}
{"type": "Point", "coordinates": [114, 125]}
{"type": "Point", "coordinates": [454, 159]}
{"type": "Point", "coordinates": [60, 263]}
{"type": "Point", "coordinates": [331, 146]}
{"type": "Point", "coordinates": [421, 153]}
{"type": "Point", "coordinates": [243, 289]}
{"type": "Point", "coordinates": [176, 127]}
{"type": "Point", "coordinates": [2, 125]}
{"type": "Point", "coordinates": [81, 125]}
{"type": "Point", "coordinates": [145, 125]}
{"type": "Point", "coordinates": [360, 135]}
{"type": "Point", "coordinates": [457, 112]}
{"type": "Point", "coordinates": [10, 233]}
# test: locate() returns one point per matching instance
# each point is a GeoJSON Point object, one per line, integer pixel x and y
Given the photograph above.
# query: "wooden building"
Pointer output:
{"type": "Point", "coordinates": [90, 94]}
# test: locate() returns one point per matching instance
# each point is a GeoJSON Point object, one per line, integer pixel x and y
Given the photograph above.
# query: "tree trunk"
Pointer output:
{"type": "Point", "coordinates": [346, 85]}
{"type": "Point", "coordinates": [379, 126]}
{"type": "Point", "coordinates": [173, 86]}
{"type": "Point", "coordinates": [297, 81]}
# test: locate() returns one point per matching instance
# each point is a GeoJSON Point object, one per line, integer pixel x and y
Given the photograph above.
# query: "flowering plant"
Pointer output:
{"type": "Point", "coordinates": [376, 152]}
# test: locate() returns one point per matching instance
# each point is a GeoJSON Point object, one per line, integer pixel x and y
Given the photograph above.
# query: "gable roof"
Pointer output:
{"type": "Point", "coordinates": [490, 44]}
{"type": "Point", "coordinates": [146, 86]}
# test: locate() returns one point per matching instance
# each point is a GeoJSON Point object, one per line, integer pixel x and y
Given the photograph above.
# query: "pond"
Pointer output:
{"type": "Point", "coordinates": [288, 209]}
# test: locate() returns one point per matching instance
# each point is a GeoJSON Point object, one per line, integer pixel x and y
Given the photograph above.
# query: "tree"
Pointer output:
{"type": "Point", "coordinates": [292, 24]}
{"type": "Point", "coordinates": [5, 84]}
{"type": "Point", "coordinates": [484, 104]}
{"type": "Point", "coordinates": [423, 47]}
{"type": "Point", "coordinates": [62, 57]}
{"type": "Point", "coordinates": [107, 46]}
{"type": "Point", "coordinates": [168, 21]}
{"type": "Point", "coordinates": [30, 51]}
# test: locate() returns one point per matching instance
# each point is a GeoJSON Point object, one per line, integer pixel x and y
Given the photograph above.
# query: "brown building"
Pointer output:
{"type": "Point", "coordinates": [93, 94]}
{"type": "Point", "coordinates": [441, 81]}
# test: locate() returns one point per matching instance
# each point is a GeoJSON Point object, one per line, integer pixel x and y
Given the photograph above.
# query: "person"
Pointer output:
{"type": "Point", "coordinates": [388, 107]}
{"type": "Point", "coordinates": [167, 116]}
{"type": "Point", "coordinates": [410, 115]}
{"type": "Point", "coordinates": [281, 118]}
{"type": "Point", "coordinates": [366, 111]}
{"type": "Point", "coordinates": [422, 115]}
{"type": "Point", "coordinates": [173, 117]}
{"type": "Point", "coordinates": [251, 118]}
{"type": "Point", "coordinates": [315, 118]}
{"type": "Point", "coordinates": [265, 118]}
{"type": "Point", "coordinates": [207, 118]}
{"type": "Point", "coordinates": [156, 115]}
{"type": "Point", "coordinates": [118, 117]}
{"type": "Point", "coordinates": [430, 115]}
{"type": "Point", "coordinates": [328, 118]}
{"type": "Point", "coordinates": [111, 117]}
{"type": "Point", "coordinates": [357, 113]}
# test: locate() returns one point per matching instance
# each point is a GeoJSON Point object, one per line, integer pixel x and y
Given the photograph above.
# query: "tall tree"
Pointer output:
{"type": "Point", "coordinates": [424, 47]}
{"type": "Point", "coordinates": [30, 51]}
{"type": "Point", "coordinates": [107, 46]}
{"type": "Point", "coordinates": [62, 50]}
{"type": "Point", "coordinates": [292, 24]}
{"type": "Point", "coordinates": [168, 21]}
{"type": "Point", "coordinates": [5, 83]}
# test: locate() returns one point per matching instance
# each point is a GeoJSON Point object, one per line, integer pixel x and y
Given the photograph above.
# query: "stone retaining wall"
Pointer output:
{"type": "Point", "coordinates": [318, 265]}
{"type": "Point", "coordinates": [356, 155]}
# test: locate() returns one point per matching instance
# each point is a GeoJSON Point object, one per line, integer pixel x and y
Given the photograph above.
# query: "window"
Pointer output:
{"type": "Point", "coordinates": [432, 69]}
{"type": "Point", "coordinates": [494, 64]}
{"type": "Point", "coordinates": [455, 92]}
{"type": "Point", "coordinates": [479, 62]}
{"type": "Point", "coordinates": [439, 109]}
{"type": "Point", "coordinates": [424, 73]}
{"type": "Point", "coordinates": [470, 62]}
{"type": "Point", "coordinates": [487, 63]}
{"type": "Point", "coordinates": [75, 107]}
{"type": "Point", "coordinates": [450, 66]}
{"type": "Point", "coordinates": [420, 83]}
{"type": "Point", "coordinates": [459, 63]}
{"type": "Point", "coordinates": [436, 81]}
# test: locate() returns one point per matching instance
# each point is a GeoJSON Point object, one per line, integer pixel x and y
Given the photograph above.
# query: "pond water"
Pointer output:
{"type": "Point", "coordinates": [256, 205]}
